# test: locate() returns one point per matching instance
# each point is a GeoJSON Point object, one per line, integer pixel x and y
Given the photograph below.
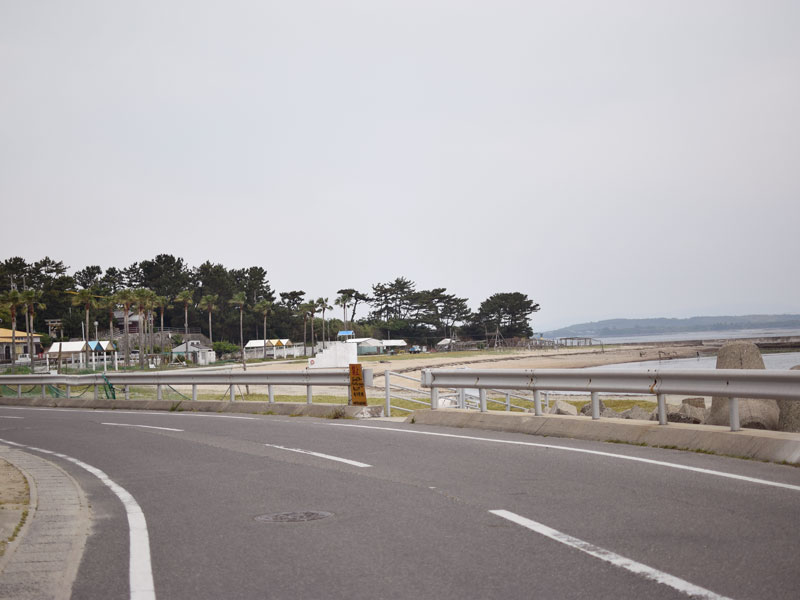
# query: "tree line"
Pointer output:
{"type": "Point", "coordinates": [234, 305]}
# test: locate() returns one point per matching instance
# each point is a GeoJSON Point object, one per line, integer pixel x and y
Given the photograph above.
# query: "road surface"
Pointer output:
{"type": "Point", "coordinates": [408, 511]}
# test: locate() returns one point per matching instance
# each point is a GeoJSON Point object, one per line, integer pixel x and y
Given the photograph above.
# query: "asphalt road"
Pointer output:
{"type": "Point", "coordinates": [416, 522]}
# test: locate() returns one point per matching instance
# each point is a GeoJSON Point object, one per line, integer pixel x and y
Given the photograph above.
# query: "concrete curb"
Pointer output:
{"type": "Point", "coordinates": [44, 559]}
{"type": "Point", "coordinates": [774, 446]}
{"type": "Point", "coordinates": [329, 411]}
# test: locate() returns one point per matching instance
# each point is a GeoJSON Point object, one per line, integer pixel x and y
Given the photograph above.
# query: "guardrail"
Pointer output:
{"type": "Point", "coordinates": [458, 395]}
{"type": "Point", "coordinates": [195, 378]}
{"type": "Point", "coordinates": [724, 383]}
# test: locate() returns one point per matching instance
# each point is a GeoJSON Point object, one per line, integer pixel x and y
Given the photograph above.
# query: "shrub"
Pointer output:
{"type": "Point", "coordinates": [224, 348]}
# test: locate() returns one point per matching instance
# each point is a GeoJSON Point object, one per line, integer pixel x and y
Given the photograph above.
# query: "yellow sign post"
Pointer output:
{"type": "Point", "coordinates": [357, 391]}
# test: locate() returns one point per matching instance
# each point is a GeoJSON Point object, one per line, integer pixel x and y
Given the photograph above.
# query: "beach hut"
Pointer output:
{"type": "Point", "coordinates": [104, 349]}
{"type": "Point", "coordinates": [67, 351]}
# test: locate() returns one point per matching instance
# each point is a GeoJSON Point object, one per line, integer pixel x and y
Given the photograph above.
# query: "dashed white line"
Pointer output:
{"type": "Point", "coordinates": [140, 570]}
{"type": "Point", "coordinates": [617, 560]}
{"type": "Point", "coordinates": [355, 463]}
{"type": "Point", "coordinates": [142, 426]}
{"type": "Point", "coordinates": [660, 463]}
{"type": "Point", "coordinates": [10, 417]}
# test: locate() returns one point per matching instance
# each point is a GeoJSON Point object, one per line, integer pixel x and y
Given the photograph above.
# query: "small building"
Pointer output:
{"type": "Point", "coordinates": [373, 346]}
{"type": "Point", "coordinates": [445, 344]}
{"type": "Point", "coordinates": [6, 343]}
{"type": "Point", "coordinates": [67, 352]}
{"type": "Point", "coordinates": [276, 348]}
{"type": "Point", "coordinates": [201, 355]}
{"type": "Point", "coordinates": [392, 346]}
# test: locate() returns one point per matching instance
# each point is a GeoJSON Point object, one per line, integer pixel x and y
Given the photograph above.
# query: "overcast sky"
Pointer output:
{"type": "Point", "coordinates": [609, 159]}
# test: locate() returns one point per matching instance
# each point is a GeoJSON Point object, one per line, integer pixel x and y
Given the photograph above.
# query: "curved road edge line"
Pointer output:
{"type": "Point", "coordinates": [140, 571]}
{"type": "Point", "coordinates": [660, 463]}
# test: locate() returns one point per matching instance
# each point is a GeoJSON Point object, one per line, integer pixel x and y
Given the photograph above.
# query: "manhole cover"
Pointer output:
{"type": "Point", "coordinates": [294, 517]}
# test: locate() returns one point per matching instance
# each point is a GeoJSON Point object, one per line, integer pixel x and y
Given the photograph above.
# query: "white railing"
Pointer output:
{"type": "Point", "coordinates": [195, 378]}
{"type": "Point", "coordinates": [459, 397]}
{"type": "Point", "coordinates": [724, 383]}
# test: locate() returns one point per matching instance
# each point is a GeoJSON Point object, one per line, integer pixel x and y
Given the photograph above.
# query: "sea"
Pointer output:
{"type": "Point", "coordinates": [702, 335]}
{"type": "Point", "coordinates": [777, 361]}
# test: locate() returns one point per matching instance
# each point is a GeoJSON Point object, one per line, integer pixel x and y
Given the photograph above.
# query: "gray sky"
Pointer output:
{"type": "Point", "coordinates": [609, 159]}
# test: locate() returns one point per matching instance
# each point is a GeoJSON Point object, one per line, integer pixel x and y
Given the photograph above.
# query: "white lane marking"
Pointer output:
{"type": "Point", "coordinates": [140, 571]}
{"type": "Point", "coordinates": [133, 412]}
{"type": "Point", "coordinates": [660, 463]}
{"type": "Point", "coordinates": [638, 568]}
{"type": "Point", "coordinates": [143, 426]}
{"type": "Point", "coordinates": [10, 417]}
{"type": "Point", "coordinates": [355, 463]}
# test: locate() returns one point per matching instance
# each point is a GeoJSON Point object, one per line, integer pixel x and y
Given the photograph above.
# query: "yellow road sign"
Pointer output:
{"type": "Point", "coordinates": [357, 391]}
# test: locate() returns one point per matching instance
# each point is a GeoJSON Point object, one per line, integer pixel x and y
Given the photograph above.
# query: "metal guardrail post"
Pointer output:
{"type": "Point", "coordinates": [69, 391]}
{"type": "Point", "coordinates": [595, 406]}
{"type": "Point", "coordinates": [159, 394]}
{"type": "Point", "coordinates": [662, 408]}
{"type": "Point", "coordinates": [127, 392]}
{"type": "Point", "coordinates": [508, 402]}
{"type": "Point", "coordinates": [547, 400]}
{"type": "Point", "coordinates": [270, 394]}
{"type": "Point", "coordinates": [233, 393]}
{"type": "Point", "coordinates": [95, 391]}
{"type": "Point", "coordinates": [308, 395]}
{"type": "Point", "coordinates": [733, 409]}
{"type": "Point", "coordinates": [44, 391]}
{"type": "Point", "coordinates": [194, 393]}
{"type": "Point", "coordinates": [483, 399]}
{"type": "Point", "coordinates": [388, 390]}
{"type": "Point", "coordinates": [434, 398]}
{"type": "Point", "coordinates": [462, 398]}
{"type": "Point", "coordinates": [537, 403]}
{"type": "Point", "coordinates": [19, 391]}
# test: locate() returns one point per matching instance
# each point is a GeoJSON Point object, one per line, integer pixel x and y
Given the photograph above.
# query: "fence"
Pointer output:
{"type": "Point", "coordinates": [458, 396]}
{"type": "Point", "coordinates": [309, 379]}
{"type": "Point", "coordinates": [724, 383]}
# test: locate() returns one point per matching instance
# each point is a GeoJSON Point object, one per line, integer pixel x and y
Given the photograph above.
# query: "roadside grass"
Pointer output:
{"type": "Point", "coordinates": [20, 501]}
{"type": "Point", "coordinates": [495, 402]}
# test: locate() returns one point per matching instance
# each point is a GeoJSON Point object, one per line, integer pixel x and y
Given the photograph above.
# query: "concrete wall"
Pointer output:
{"type": "Point", "coordinates": [336, 355]}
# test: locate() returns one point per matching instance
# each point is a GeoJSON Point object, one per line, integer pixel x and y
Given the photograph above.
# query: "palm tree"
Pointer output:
{"type": "Point", "coordinates": [86, 299]}
{"type": "Point", "coordinates": [186, 297]}
{"type": "Point", "coordinates": [344, 300]}
{"type": "Point", "coordinates": [264, 308]}
{"type": "Point", "coordinates": [142, 296]}
{"type": "Point", "coordinates": [209, 303]}
{"type": "Point", "coordinates": [238, 302]}
{"type": "Point", "coordinates": [149, 303]}
{"type": "Point", "coordinates": [13, 300]}
{"type": "Point", "coordinates": [304, 310]}
{"type": "Point", "coordinates": [109, 304]}
{"type": "Point", "coordinates": [126, 298]}
{"type": "Point", "coordinates": [32, 302]}
{"type": "Point", "coordinates": [152, 304]}
{"type": "Point", "coordinates": [324, 305]}
{"type": "Point", "coordinates": [161, 303]}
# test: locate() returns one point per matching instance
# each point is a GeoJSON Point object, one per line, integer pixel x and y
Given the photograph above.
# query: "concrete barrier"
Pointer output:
{"type": "Point", "coordinates": [328, 411]}
{"type": "Point", "coordinates": [775, 446]}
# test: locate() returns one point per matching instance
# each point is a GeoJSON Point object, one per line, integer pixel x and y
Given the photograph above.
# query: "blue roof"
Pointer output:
{"type": "Point", "coordinates": [95, 346]}
{"type": "Point", "coordinates": [341, 333]}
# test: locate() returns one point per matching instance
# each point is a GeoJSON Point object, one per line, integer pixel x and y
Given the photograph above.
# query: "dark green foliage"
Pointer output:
{"type": "Point", "coordinates": [397, 308]}
{"type": "Point", "coordinates": [224, 348]}
{"type": "Point", "coordinates": [509, 313]}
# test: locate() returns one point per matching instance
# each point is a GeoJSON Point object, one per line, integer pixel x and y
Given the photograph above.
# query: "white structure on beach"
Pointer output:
{"type": "Point", "coordinates": [101, 352]}
{"type": "Point", "coordinates": [273, 348]}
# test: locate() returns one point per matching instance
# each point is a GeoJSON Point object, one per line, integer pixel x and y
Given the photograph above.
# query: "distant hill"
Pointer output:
{"type": "Point", "coordinates": [628, 327]}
